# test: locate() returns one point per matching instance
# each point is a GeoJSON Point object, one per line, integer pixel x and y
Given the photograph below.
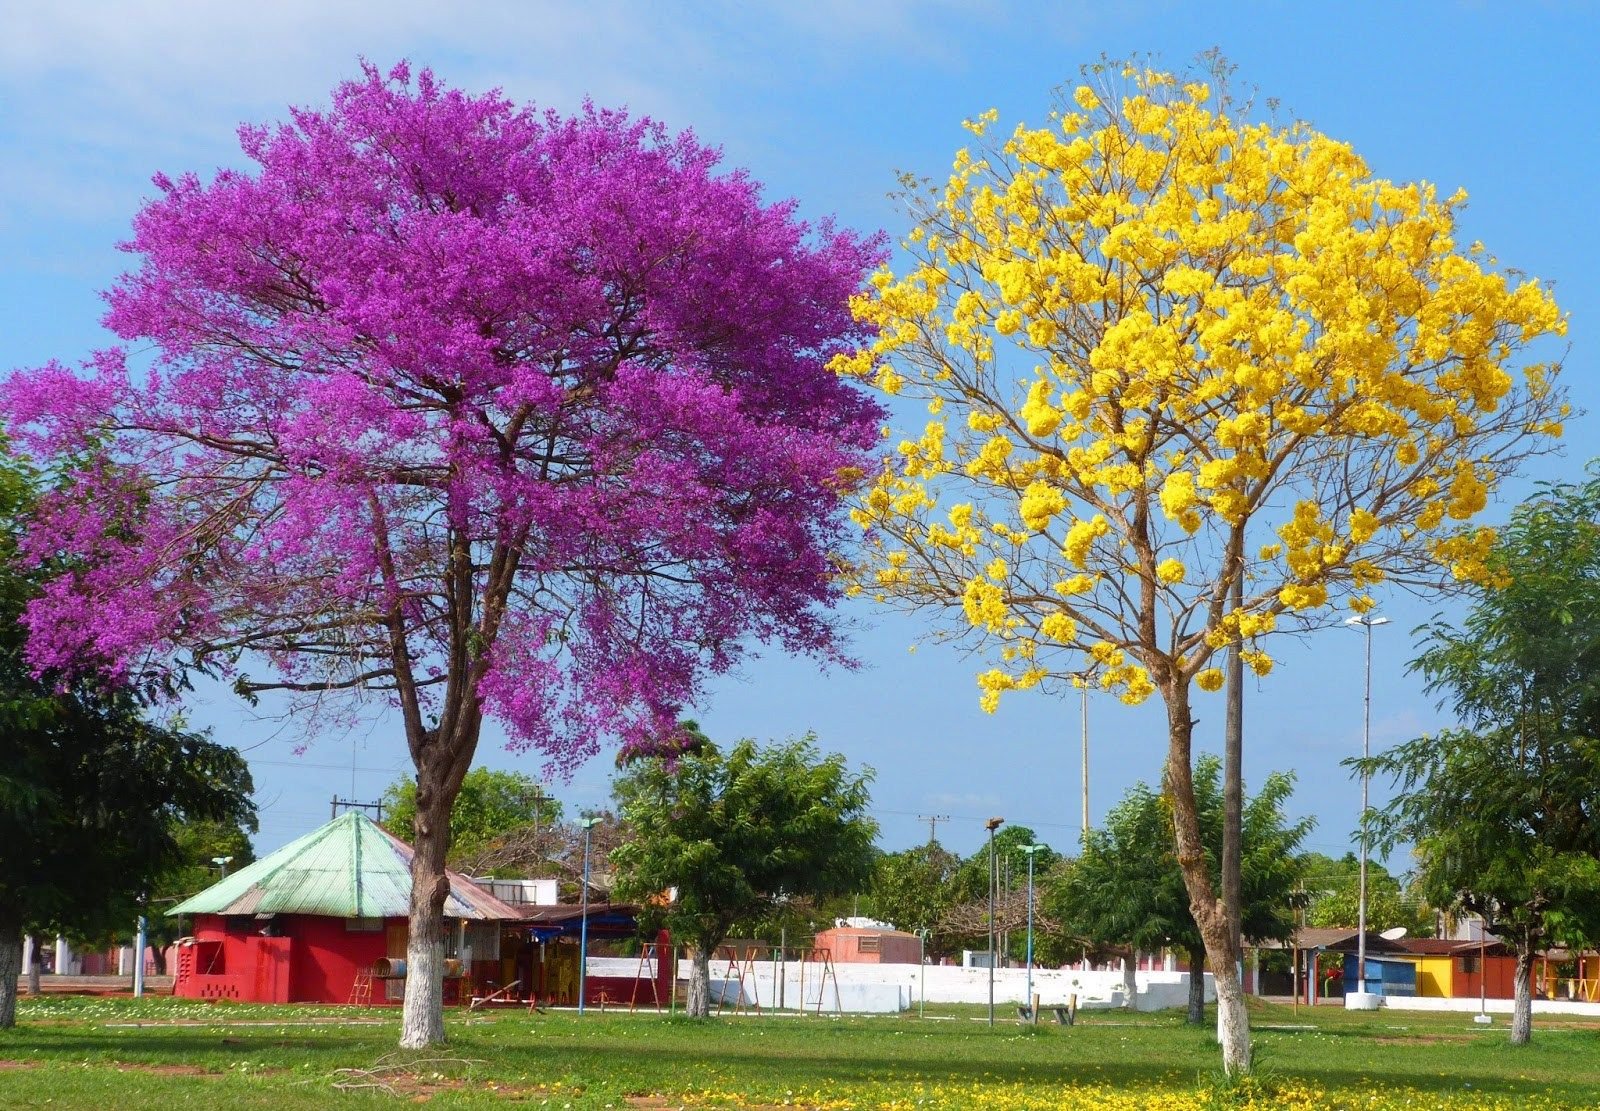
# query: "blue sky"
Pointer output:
{"type": "Point", "coordinates": [826, 101]}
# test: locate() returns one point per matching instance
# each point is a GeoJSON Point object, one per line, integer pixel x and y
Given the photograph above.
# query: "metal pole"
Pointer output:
{"type": "Point", "coordinates": [991, 925]}
{"type": "Point", "coordinates": [1366, 751]}
{"type": "Point", "coordinates": [992, 824]}
{"type": "Point", "coordinates": [138, 959]}
{"type": "Point", "coordinates": [583, 929]}
{"type": "Point", "coordinates": [1030, 935]}
{"type": "Point", "coordinates": [1083, 727]}
{"type": "Point", "coordinates": [922, 962]}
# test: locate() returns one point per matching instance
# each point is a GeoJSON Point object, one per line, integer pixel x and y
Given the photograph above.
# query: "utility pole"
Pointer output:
{"type": "Point", "coordinates": [933, 821]}
{"type": "Point", "coordinates": [1083, 727]}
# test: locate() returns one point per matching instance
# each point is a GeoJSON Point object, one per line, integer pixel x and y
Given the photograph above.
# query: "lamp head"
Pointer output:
{"type": "Point", "coordinates": [993, 824]}
{"type": "Point", "coordinates": [1363, 619]}
{"type": "Point", "coordinates": [1031, 849]}
{"type": "Point", "coordinates": [221, 860]}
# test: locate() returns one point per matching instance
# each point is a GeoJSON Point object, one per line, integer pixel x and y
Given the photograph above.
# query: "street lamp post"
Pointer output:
{"type": "Point", "coordinates": [1367, 623]}
{"type": "Point", "coordinates": [991, 825]}
{"type": "Point", "coordinates": [583, 929]}
{"type": "Point", "coordinates": [922, 964]}
{"type": "Point", "coordinates": [222, 862]}
{"type": "Point", "coordinates": [1033, 1012]}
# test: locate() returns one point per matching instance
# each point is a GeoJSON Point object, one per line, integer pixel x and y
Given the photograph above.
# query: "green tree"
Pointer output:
{"type": "Point", "coordinates": [197, 845]}
{"type": "Point", "coordinates": [1500, 811]}
{"type": "Point", "coordinates": [1126, 887]}
{"type": "Point", "coordinates": [494, 811]}
{"type": "Point", "coordinates": [736, 832]}
{"type": "Point", "coordinates": [1333, 892]}
{"type": "Point", "coordinates": [92, 792]}
{"type": "Point", "coordinates": [914, 888]}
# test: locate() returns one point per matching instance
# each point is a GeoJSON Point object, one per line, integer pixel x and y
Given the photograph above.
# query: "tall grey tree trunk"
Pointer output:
{"type": "Point", "coordinates": [422, 1016]}
{"type": "Point", "coordinates": [1210, 914]}
{"type": "Point", "coordinates": [1197, 986]}
{"type": "Point", "coordinates": [699, 1001]}
{"type": "Point", "coordinates": [10, 969]}
{"type": "Point", "coordinates": [1522, 994]}
{"type": "Point", "coordinates": [1130, 980]}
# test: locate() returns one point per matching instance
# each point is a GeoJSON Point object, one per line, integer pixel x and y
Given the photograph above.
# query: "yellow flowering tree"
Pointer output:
{"type": "Point", "coordinates": [1193, 378]}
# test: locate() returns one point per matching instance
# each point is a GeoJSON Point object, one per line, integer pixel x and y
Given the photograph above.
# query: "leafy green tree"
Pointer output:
{"type": "Point", "coordinates": [197, 845]}
{"type": "Point", "coordinates": [914, 888]}
{"type": "Point", "coordinates": [1500, 811]}
{"type": "Point", "coordinates": [1126, 887]}
{"type": "Point", "coordinates": [92, 791]}
{"type": "Point", "coordinates": [493, 809]}
{"type": "Point", "coordinates": [735, 833]}
{"type": "Point", "coordinates": [1333, 892]}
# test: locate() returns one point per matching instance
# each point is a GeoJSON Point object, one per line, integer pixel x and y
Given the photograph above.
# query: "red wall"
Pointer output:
{"type": "Point", "coordinates": [310, 960]}
{"type": "Point", "coordinates": [327, 957]}
{"type": "Point", "coordinates": [844, 946]}
{"type": "Point", "coordinates": [1502, 974]}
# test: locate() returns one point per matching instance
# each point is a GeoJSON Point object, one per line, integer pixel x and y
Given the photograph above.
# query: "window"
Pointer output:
{"type": "Point", "coordinates": [363, 925]}
{"type": "Point", "coordinates": [1469, 965]}
{"type": "Point", "coordinates": [871, 944]}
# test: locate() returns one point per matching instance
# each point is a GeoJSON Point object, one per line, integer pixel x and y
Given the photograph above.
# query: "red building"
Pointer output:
{"type": "Point", "coordinates": [301, 924]}
{"type": "Point", "coordinates": [324, 920]}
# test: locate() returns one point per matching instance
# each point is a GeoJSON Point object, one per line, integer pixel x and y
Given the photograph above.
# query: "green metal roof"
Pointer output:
{"type": "Point", "coordinates": [350, 868]}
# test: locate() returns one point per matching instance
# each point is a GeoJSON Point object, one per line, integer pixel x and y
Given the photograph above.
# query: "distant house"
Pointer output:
{"type": "Point", "coordinates": [325, 920]}
{"type": "Point", "coordinates": [848, 944]}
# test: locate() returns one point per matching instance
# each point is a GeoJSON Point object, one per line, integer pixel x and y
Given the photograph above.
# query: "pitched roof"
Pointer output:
{"type": "Point", "coordinates": [349, 868]}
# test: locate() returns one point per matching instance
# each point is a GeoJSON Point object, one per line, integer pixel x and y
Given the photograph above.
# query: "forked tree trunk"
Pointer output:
{"type": "Point", "coordinates": [1221, 942]}
{"type": "Point", "coordinates": [1197, 986]}
{"type": "Point", "coordinates": [1522, 993]}
{"type": "Point", "coordinates": [10, 969]}
{"type": "Point", "coordinates": [422, 1017]}
{"type": "Point", "coordinates": [699, 1003]}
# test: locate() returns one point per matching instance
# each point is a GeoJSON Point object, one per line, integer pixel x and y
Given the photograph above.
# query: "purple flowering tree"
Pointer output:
{"type": "Point", "coordinates": [497, 413]}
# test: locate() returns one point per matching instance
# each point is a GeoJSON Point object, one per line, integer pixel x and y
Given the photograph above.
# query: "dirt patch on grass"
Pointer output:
{"type": "Point", "coordinates": [1424, 1039]}
{"type": "Point", "coordinates": [162, 1070]}
{"type": "Point", "coordinates": [6, 1065]}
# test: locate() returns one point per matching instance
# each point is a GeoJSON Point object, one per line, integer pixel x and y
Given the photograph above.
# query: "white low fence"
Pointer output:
{"type": "Point", "coordinates": [1491, 1006]}
{"type": "Point", "coordinates": [889, 988]}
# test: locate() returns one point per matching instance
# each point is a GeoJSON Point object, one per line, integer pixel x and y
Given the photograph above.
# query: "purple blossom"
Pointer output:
{"type": "Point", "coordinates": [494, 411]}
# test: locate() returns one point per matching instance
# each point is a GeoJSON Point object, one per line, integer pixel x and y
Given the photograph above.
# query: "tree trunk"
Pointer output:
{"type": "Point", "coordinates": [1522, 993]}
{"type": "Point", "coordinates": [1130, 980]}
{"type": "Point", "coordinates": [1221, 942]}
{"type": "Point", "coordinates": [699, 1004]}
{"type": "Point", "coordinates": [1197, 986]}
{"type": "Point", "coordinates": [422, 1017]}
{"type": "Point", "coordinates": [158, 957]}
{"type": "Point", "coordinates": [10, 970]}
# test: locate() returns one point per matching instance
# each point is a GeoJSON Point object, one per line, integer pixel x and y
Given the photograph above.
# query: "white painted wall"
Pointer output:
{"type": "Point", "coordinates": [1492, 1006]}
{"type": "Point", "coordinates": [886, 988]}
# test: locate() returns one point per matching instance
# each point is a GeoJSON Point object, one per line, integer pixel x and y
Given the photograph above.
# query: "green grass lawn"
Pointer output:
{"type": "Point", "coordinates": [82, 1052]}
